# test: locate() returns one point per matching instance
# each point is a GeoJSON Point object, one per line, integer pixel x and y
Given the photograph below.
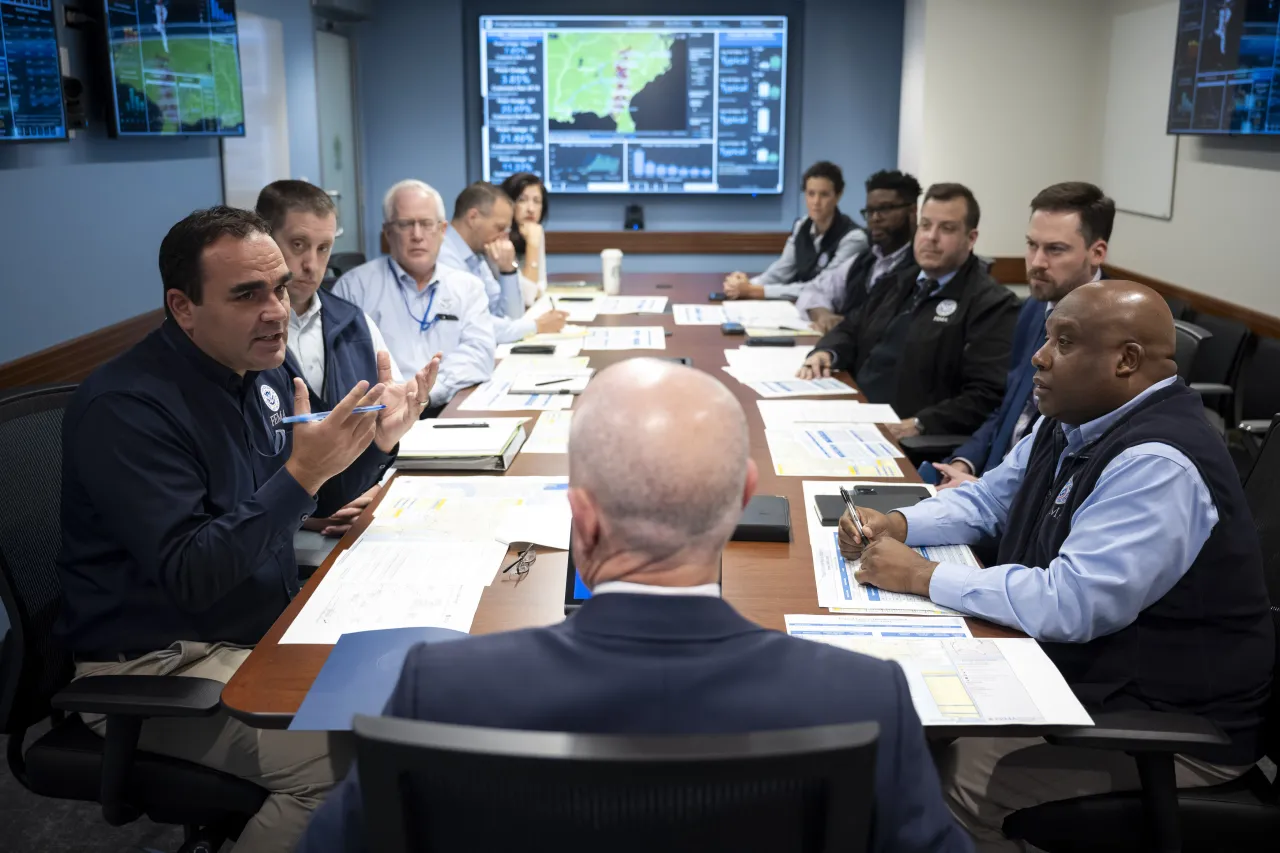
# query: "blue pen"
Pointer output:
{"type": "Point", "coordinates": [319, 416]}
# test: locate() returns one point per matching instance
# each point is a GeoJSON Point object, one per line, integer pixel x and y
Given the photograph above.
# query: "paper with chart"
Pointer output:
{"type": "Point", "coordinates": [797, 453]}
{"type": "Point", "coordinates": [501, 509]}
{"type": "Point", "coordinates": [829, 441]}
{"type": "Point", "coordinates": [495, 396]}
{"type": "Point", "coordinates": [631, 305]}
{"type": "Point", "coordinates": [625, 337]}
{"type": "Point", "coordinates": [564, 349]}
{"type": "Point", "coordinates": [698, 315]}
{"type": "Point", "coordinates": [976, 682]}
{"type": "Point", "coordinates": [830, 629]}
{"type": "Point", "coordinates": [581, 309]}
{"type": "Point", "coordinates": [834, 576]}
{"type": "Point", "coordinates": [400, 584]}
{"type": "Point", "coordinates": [550, 434]}
{"type": "Point", "coordinates": [781, 414]}
{"type": "Point", "coordinates": [769, 317]}
{"type": "Point", "coordinates": [773, 388]}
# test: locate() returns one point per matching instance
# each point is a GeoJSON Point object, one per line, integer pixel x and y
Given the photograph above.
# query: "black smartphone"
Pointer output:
{"type": "Point", "coordinates": [533, 349]}
{"type": "Point", "coordinates": [717, 296]}
{"type": "Point", "coordinates": [575, 299]}
{"type": "Point", "coordinates": [733, 329]}
{"type": "Point", "coordinates": [883, 499]}
{"type": "Point", "coordinates": [775, 341]}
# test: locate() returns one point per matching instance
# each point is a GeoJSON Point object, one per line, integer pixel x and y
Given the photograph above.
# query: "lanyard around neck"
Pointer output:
{"type": "Point", "coordinates": [424, 324]}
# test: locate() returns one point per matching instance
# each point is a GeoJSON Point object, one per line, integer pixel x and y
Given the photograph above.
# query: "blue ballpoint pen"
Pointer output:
{"type": "Point", "coordinates": [319, 416]}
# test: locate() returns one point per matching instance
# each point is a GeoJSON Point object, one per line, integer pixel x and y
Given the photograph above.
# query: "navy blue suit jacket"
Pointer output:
{"type": "Point", "coordinates": [648, 664]}
{"type": "Point", "coordinates": [988, 446]}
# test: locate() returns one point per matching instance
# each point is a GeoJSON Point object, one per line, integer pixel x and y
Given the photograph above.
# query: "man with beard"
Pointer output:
{"type": "Point", "coordinates": [891, 219]}
{"type": "Point", "coordinates": [1066, 247]}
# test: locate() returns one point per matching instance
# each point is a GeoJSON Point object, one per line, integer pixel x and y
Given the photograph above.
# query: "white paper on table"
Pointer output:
{"type": "Point", "coordinates": [834, 577]}
{"type": "Point", "coordinates": [568, 381]}
{"type": "Point", "coordinates": [976, 682]}
{"type": "Point", "coordinates": [829, 441]}
{"type": "Point", "coordinates": [411, 586]}
{"type": "Point", "coordinates": [768, 362]}
{"type": "Point", "coordinates": [768, 314]}
{"type": "Point", "coordinates": [443, 437]}
{"type": "Point", "coordinates": [773, 388]}
{"type": "Point", "coordinates": [820, 628]}
{"type": "Point", "coordinates": [792, 456]}
{"type": "Point", "coordinates": [781, 414]}
{"type": "Point", "coordinates": [578, 311]}
{"type": "Point", "coordinates": [513, 365]}
{"type": "Point", "coordinates": [564, 349]}
{"type": "Point", "coordinates": [550, 434]}
{"type": "Point", "coordinates": [494, 396]}
{"type": "Point", "coordinates": [502, 508]}
{"type": "Point", "coordinates": [631, 305]}
{"type": "Point", "coordinates": [569, 333]}
{"type": "Point", "coordinates": [625, 337]}
{"type": "Point", "coordinates": [698, 315]}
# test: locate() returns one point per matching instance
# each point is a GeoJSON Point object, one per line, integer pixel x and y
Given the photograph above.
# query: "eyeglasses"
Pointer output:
{"type": "Point", "coordinates": [406, 226]}
{"type": "Point", "coordinates": [883, 210]}
{"type": "Point", "coordinates": [522, 562]}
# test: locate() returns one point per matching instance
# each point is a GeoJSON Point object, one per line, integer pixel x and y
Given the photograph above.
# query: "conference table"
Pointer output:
{"type": "Point", "coordinates": [763, 580]}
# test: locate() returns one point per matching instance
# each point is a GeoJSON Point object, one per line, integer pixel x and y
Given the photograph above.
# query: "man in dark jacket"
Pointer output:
{"type": "Point", "coordinates": [935, 345]}
{"type": "Point", "coordinates": [332, 343]}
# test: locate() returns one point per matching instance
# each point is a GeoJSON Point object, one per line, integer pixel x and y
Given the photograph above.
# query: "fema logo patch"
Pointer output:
{"type": "Point", "coordinates": [1064, 494]}
{"type": "Point", "coordinates": [270, 397]}
{"type": "Point", "coordinates": [822, 259]}
{"type": "Point", "coordinates": [946, 308]}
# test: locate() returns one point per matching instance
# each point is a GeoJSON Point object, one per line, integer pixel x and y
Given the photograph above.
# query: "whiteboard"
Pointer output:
{"type": "Point", "coordinates": [261, 156]}
{"type": "Point", "coordinates": [1139, 159]}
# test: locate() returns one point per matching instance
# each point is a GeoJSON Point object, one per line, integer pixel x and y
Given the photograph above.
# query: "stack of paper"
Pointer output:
{"type": "Point", "coordinates": [495, 396]}
{"type": "Point", "coordinates": [631, 305]}
{"type": "Point", "coordinates": [838, 589]}
{"type": "Point", "coordinates": [625, 337]}
{"type": "Point", "coordinates": [749, 363]}
{"type": "Point", "coordinates": [564, 348]}
{"type": "Point", "coordinates": [958, 680]}
{"type": "Point", "coordinates": [782, 414]}
{"type": "Point", "coordinates": [513, 365]}
{"type": "Point", "coordinates": [698, 315]}
{"type": "Point", "coordinates": [769, 317]}
{"type": "Point", "coordinates": [830, 453]}
{"type": "Point", "coordinates": [458, 437]}
{"type": "Point", "coordinates": [551, 435]}
{"type": "Point", "coordinates": [581, 309]}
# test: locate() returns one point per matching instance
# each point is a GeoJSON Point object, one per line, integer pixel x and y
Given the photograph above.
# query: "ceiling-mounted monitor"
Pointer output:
{"type": "Point", "coordinates": [648, 104]}
{"type": "Point", "coordinates": [31, 106]}
{"type": "Point", "coordinates": [175, 68]}
{"type": "Point", "coordinates": [1226, 69]}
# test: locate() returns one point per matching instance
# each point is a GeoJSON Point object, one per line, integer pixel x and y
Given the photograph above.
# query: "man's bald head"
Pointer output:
{"type": "Point", "coordinates": [1107, 342]}
{"type": "Point", "coordinates": [658, 465]}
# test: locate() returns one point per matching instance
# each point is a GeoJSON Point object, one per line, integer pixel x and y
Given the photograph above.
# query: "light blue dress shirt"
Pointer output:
{"type": "Point", "coordinates": [775, 277]}
{"type": "Point", "coordinates": [391, 297]}
{"type": "Point", "coordinates": [506, 303]}
{"type": "Point", "coordinates": [827, 290]}
{"type": "Point", "coordinates": [1131, 540]}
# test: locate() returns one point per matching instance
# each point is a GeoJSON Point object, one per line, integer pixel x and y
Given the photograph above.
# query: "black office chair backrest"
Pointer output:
{"type": "Point", "coordinates": [448, 789]}
{"type": "Point", "coordinates": [1258, 391]}
{"type": "Point", "coordinates": [1262, 490]}
{"type": "Point", "coordinates": [1177, 307]}
{"type": "Point", "coordinates": [1189, 338]}
{"type": "Point", "coordinates": [32, 666]}
{"type": "Point", "coordinates": [343, 262]}
{"type": "Point", "coordinates": [1218, 359]}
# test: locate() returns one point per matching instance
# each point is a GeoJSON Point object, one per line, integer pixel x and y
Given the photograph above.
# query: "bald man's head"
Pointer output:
{"type": "Point", "coordinates": [1108, 341]}
{"type": "Point", "coordinates": [658, 468]}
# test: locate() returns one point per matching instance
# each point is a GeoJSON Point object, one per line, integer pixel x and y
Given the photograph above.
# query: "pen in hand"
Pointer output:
{"type": "Point", "coordinates": [853, 512]}
{"type": "Point", "coordinates": [319, 416]}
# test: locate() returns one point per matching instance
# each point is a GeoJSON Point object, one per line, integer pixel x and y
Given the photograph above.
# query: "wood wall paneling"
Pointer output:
{"type": "Point", "coordinates": [73, 360]}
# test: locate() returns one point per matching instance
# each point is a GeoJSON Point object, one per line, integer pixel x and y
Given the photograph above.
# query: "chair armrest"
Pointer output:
{"type": "Point", "coordinates": [141, 696]}
{"type": "Point", "coordinates": [1143, 731]}
{"type": "Point", "coordinates": [1212, 389]}
{"type": "Point", "coordinates": [1256, 426]}
{"type": "Point", "coordinates": [933, 443]}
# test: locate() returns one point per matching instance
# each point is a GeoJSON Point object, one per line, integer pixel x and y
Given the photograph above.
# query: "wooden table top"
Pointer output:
{"type": "Point", "coordinates": [763, 580]}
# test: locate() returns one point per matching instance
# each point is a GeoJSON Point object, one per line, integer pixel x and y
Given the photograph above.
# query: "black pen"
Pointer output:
{"type": "Point", "coordinates": [553, 382]}
{"type": "Point", "coordinates": [461, 426]}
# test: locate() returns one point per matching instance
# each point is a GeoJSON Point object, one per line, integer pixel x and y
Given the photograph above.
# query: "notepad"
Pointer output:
{"type": "Point", "coordinates": [552, 381]}
{"type": "Point", "coordinates": [449, 437]}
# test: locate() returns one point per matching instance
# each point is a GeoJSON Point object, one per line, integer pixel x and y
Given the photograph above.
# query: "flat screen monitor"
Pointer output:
{"type": "Point", "coordinates": [614, 104]}
{"type": "Point", "coordinates": [175, 68]}
{"type": "Point", "coordinates": [1226, 72]}
{"type": "Point", "coordinates": [31, 106]}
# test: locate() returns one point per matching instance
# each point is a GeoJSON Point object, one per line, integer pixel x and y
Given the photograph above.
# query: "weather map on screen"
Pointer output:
{"type": "Point", "coordinates": [635, 105]}
{"type": "Point", "coordinates": [1226, 71]}
{"type": "Point", "coordinates": [175, 66]}
{"type": "Point", "coordinates": [30, 75]}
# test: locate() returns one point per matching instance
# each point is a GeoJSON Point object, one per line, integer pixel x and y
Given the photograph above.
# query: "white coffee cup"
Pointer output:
{"type": "Point", "coordinates": [611, 271]}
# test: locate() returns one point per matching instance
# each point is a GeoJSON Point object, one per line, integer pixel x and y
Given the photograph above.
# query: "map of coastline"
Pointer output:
{"type": "Point", "coordinates": [598, 74]}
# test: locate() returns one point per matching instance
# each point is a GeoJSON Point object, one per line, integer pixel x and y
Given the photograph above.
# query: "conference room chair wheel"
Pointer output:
{"type": "Point", "coordinates": [202, 841]}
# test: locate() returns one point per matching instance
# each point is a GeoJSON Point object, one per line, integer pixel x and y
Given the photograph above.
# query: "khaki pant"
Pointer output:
{"type": "Point", "coordinates": [294, 767]}
{"type": "Point", "coordinates": [986, 779]}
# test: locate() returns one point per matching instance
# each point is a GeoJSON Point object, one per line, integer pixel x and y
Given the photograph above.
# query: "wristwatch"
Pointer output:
{"type": "Point", "coordinates": [515, 268]}
{"type": "Point", "coordinates": [919, 426]}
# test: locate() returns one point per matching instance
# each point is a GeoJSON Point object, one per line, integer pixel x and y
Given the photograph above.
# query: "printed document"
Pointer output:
{"type": "Point", "coordinates": [782, 414]}
{"type": "Point", "coordinates": [827, 629]}
{"type": "Point", "coordinates": [513, 365]}
{"type": "Point", "coordinates": [631, 305]}
{"type": "Point", "coordinates": [495, 396]}
{"type": "Point", "coordinates": [625, 337]}
{"type": "Point", "coordinates": [564, 349]}
{"type": "Point", "coordinates": [698, 315]}
{"type": "Point", "coordinates": [765, 362]}
{"type": "Point", "coordinates": [827, 387]}
{"type": "Point", "coordinates": [777, 316]}
{"type": "Point", "coordinates": [795, 453]}
{"type": "Point", "coordinates": [550, 434]}
{"type": "Point", "coordinates": [579, 312]}
{"type": "Point", "coordinates": [498, 508]}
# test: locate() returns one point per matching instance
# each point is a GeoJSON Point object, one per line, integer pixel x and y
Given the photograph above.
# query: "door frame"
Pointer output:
{"type": "Point", "coordinates": [348, 32]}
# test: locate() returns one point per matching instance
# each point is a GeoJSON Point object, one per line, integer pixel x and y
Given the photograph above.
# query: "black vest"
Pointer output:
{"type": "Point", "coordinates": [348, 353]}
{"type": "Point", "coordinates": [1206, 647]}
{"type": "Point", "coordinates": [857, 288]}
{"type": "Point", "coordinates": [812, 258]}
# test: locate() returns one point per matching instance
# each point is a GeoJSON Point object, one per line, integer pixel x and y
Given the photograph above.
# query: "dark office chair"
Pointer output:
{"type": "Point", "coordinates": [342, 263]}
{"type": "Point", "coordinates": [435, 788]}
{"type": "Point", "coordinates": [1189, 339]}
{"type": "Point", "coordinates": [1257, 401]}
{"type": "Point", "coordinates": [1216, 367]}
{"type": "Point", "coordinates": [1178, 307]}
{"type": "Point", "coordinates": [1240, 815]}
{"type": "Point", "coordinates": [70, 761]}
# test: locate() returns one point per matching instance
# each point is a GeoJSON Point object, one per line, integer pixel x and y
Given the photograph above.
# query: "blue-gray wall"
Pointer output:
{"type": "Point", "coordinates": [411, 91]}
{"type": "Point", "coordinates": [81, 221]}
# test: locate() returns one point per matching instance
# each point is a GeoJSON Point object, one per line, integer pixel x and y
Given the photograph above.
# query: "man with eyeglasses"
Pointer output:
{"type": "Point", "coordinates": [890, 215]}
{"type": "Point", "coordinates": [478, 241]}
{"type": "Point", "coordinates": [421, 306]}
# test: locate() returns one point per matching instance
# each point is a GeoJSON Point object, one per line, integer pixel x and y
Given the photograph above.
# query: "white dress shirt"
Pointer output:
{"type": "Point", "coordinates": [306, 342]}
{"type": "Point", "coordinates": [532, 289]}
{"type": "Point", "coordinates": [392, 298]}
{"type": "Point", "coordinates": [504, 299]}
{"type": "Point", "coordinates": [707, 590]}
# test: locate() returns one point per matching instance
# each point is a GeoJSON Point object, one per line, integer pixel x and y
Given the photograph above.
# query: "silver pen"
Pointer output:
{"type": "Point", "coordinates": [853, 511]}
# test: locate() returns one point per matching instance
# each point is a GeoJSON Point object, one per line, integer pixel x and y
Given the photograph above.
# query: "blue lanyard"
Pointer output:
{"type": "Point", "coordinates": [424, 325]}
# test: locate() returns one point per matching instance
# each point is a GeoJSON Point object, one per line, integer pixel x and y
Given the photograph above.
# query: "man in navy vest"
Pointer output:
{"type": "Point", "coordinates": [1067, 240]}
{"type": "Point", "coordinates": [1125, 547]}
{"type": "Point", "coordinates": [332, 343]}
{"type": "Point", "coordinates": [655, 650]}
